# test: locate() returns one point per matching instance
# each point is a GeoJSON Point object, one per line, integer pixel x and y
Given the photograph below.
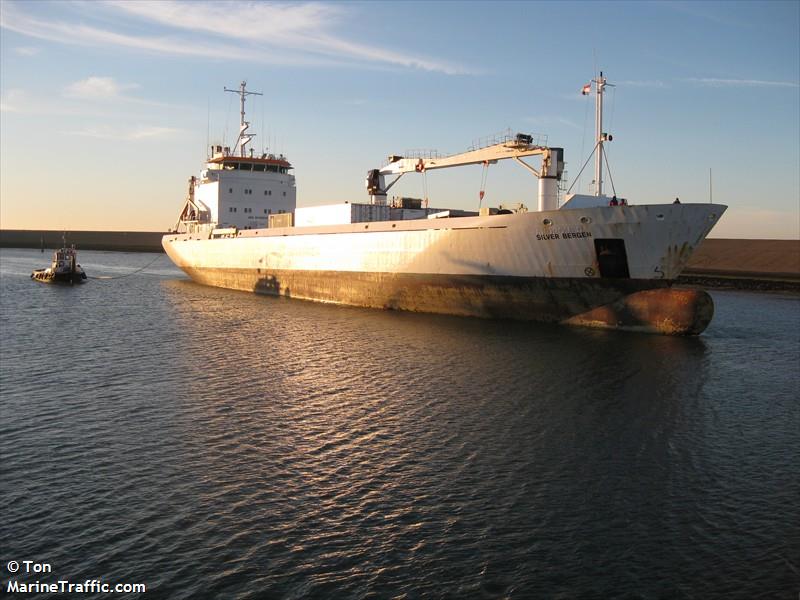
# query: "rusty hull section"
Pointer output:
{"type": "Point", "coordinates": [638, 305]}
{"type": "Point", "coordinates": [670, 311]}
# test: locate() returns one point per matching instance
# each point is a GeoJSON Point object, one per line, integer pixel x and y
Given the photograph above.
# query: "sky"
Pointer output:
{"type": "Point", "coordinates": [108, 107]}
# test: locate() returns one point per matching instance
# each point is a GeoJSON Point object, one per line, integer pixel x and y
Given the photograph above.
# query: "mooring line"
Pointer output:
{"type": "Point", "coordinates": [108, 277]}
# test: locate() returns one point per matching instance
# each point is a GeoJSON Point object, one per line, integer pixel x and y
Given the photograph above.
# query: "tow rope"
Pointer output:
{"type": "Point", "coordinates": [108, 277]}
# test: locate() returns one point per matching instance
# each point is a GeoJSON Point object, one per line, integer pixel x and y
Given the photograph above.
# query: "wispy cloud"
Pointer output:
{"type": "Point", "coordinates": [551, 121]}
{"type": "Point", "coordinates": [287, 34]}
{"type": "Point", "coordinates": [97, 87]}
{"type": "Point", "coordinates": [714, 12]}
{"type": "Point", "coordinates": [655, 83]}
{"type": "Point", "coordinates": [714, 82]}
{"type": "Point", "coordinates": [27, 50]}
{"type": "Point", "coordinates": [106, 89]}
{"type": "Point", "coordinates": [73, 102]}
{"type": "Point", "coordinates": [74, 33]}
{"type": "Point", "coordinates": [22, 102]}
{"type": "Point", "coordinates": [140, 133]}
{"type": "Point", "coordinates": [12, 101]}
{"type": "Point", "coordinates": [151, 132]}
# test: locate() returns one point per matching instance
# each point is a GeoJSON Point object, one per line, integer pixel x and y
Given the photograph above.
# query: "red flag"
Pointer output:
{"type": "Point", "coordinates": [587, 89]}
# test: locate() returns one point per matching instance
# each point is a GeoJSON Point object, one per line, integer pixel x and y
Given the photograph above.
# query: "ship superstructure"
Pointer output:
{"type": "Point", "coordinates": [239, 188]}
{"type": "Point", "coordinates": [589, 260]}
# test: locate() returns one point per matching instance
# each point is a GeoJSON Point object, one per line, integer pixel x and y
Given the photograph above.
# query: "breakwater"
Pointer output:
{"type": "Point", "coordinates": [121, 241]}
{"type": "Point", "coordinates": [745, 264]}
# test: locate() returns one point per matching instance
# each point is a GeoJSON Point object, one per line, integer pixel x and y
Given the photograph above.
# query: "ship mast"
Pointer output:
{"type": "Point", "coordinates": [244, 138]}
{"type": "Point", "coordinates": [600, 85]}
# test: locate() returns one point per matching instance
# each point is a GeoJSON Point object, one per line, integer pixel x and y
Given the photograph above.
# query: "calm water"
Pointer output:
{"type": "Point", "coordinates": [218, 444]}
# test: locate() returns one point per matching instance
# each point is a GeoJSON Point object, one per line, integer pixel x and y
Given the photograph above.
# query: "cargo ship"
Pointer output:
{"type": "Point", "coordinates": [578, 259]}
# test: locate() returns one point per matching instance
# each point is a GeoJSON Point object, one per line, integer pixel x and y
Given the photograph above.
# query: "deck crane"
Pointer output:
{"type": "Point", "coordinates": [516, 147]}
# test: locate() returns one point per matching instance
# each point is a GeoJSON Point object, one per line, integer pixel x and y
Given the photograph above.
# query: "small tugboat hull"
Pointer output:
{"type": "Point", "coordinates": [46, 276]}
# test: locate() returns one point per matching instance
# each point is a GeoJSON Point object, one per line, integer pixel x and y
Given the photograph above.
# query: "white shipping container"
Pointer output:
{"type": "Point", "coordinates": [367, 213]}
{"type": "Point", "coordinates": [404, 214]}
{"type": "Point", "coordinates": [340, 214]}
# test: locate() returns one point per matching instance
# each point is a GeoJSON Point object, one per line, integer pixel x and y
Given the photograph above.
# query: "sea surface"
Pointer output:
{"type": "Point", "coordinates": [217, 444]}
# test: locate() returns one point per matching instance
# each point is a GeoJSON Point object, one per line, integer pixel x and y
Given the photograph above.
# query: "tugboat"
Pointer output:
{"type": "Point", "coordinates": [65, 268]}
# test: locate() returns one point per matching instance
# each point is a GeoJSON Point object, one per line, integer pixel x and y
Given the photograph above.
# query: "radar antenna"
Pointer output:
{"type": "Point", "coordinates": [244, 137]}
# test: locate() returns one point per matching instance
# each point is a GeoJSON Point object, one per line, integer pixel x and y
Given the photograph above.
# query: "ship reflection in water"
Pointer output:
{"type": "Point", "coordinates": [225, 444]}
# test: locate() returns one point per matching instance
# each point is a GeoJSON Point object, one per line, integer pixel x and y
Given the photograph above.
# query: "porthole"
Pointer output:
{"type": "Point", "coordinates": [659, 217]}
{"type": "Point", "coordinates": [712, 217]}
{"type": "Point", "coordinates": [547, 222]}
{"type": "Point", "coordinates": [586, 220]}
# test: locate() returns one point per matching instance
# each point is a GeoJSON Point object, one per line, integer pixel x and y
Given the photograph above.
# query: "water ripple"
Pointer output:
{"type": "Point", "coordinates": [217, 444]}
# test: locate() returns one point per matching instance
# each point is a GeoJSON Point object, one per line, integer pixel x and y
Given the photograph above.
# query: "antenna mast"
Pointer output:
{"type": "Point", "coordinates": [244, 138]}
{"type": "Point", "coordinates": [600, 85]}
{"type": "Point", "coordinates": [710, 188]}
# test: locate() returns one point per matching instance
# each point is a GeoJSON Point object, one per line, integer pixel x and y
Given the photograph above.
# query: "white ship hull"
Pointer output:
{"type": "Point", "coordinates": [544, 266]}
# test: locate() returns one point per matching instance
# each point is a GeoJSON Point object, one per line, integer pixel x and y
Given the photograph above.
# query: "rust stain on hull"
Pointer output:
{"type": "Point", "coordinates": [667, 311]}
{"type": "Point", "coordinates": [676, 259]}
{"type": "Point", "coordinates": [594, 302]}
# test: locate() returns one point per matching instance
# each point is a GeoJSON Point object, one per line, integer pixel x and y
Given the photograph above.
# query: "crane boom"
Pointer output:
{"type": "Point", "coordinates": [517, 148]}
{"type": "Point", "coordinates": [489, 154]}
